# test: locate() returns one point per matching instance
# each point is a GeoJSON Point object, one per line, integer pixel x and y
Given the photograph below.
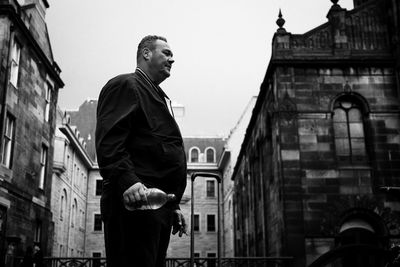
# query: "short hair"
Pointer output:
{"type": "Point", "coordinates": [148, 42]}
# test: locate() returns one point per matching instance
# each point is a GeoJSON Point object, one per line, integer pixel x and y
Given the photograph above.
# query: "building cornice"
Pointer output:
{"type": "Point", "coordinates": [70, 134]}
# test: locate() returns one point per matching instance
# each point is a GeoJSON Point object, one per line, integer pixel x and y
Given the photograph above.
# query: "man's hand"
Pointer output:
{"type": "Point", "coordinates": [178, 223]}
{"type": "Point", "coordinates": [135, 196]}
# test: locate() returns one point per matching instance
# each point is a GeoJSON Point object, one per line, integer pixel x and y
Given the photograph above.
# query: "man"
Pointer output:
{"type": "Point", "coordinates": [139, 146]}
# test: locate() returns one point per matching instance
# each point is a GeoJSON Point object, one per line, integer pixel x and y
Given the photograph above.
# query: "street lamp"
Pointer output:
{"type": "Point", "coordinates": [218, 178]}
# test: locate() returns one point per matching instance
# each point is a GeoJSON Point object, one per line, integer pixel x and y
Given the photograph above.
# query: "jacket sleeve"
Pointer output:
{"type": "Point", "coordinates": [117, 105]}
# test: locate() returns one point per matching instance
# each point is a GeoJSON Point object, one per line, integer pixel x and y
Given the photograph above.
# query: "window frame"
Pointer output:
{"type": "Point", "coordinates": [197, 215]}
{"type": "Point", "coordinates": [8, 141]}
{"type": "Point", "coordinates": [348, 155]}
{"type": "Point", "coordinates": [215, 223]}
{"type": "Point", "coordinates": [37, 237]}
{"type": "Point", "coordinates": [16, 50]}
{"type": "Point", "coordinates": [63, 204]}
{"type": "Point", "coordinates": [44, 159]}
{"type": "Point", "coordinates": [47, 98]}
{"type": "Point", "coordinates": [214, 182]}
{"type": "Point", "coordinates": [190, 154]}
{"type": "Point", "coordinates": [214, 159]}
{"type": "Point", "coordinates": [97, 191]}
{"type": "Point", "coordinates": [97, 217]}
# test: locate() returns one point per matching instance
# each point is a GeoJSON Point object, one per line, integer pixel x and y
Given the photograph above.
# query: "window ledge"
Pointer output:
{"type": "Point", "coordinates": [5, 173]}
{"type": "Point", "coordinates": [352, 167]}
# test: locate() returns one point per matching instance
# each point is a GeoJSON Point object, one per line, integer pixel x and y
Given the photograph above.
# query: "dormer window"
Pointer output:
{"type": "Point", "coordinates": [194, 153]}
{"type": "Point", "coordinates": [210, 155]}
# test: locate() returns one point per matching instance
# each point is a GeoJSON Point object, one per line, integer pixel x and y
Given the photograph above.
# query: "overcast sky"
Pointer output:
{"type": "Point", "coordinates": [221, 49]}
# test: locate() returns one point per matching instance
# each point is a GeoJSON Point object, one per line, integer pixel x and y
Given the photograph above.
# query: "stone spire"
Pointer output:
{"type": "Point", "coordinates": [335, 6]}
{"type": "Point", "coordinates": [280, 22]}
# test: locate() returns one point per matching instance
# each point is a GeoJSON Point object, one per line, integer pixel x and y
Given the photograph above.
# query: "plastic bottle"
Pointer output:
{"type": "Point", "coordinates": [156, 198]}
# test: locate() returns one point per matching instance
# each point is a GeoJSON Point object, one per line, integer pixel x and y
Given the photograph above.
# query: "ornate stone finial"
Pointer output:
{"type": "Point", "coordinates": [280, 21]}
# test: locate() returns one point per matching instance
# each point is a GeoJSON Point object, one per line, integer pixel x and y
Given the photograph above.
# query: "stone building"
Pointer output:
{"type": "Point", "coordinates": [30, 80]}
{"type": "Point", "coordinates": [203, 155]}
{"type": "Point", "coordinates": [323, 141]}
{"type": "Point", "coordinates": [76, 190]}
{"type": "Point", "coordinates": [85, 119]}
{"type": "Point", "coordinates": [69, 196]}
{"type": "Point", "coordinates": [226, 164]}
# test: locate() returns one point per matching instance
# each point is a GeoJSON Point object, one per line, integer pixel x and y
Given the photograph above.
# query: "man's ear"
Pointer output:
{"type": "Point", "coordinates": [146, 53]}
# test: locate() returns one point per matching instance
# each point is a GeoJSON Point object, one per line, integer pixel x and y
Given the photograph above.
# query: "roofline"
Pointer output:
{"type": "Point", "coordinates": [11, 11]}
{"type": "Point", "coordinates": [69, 133]}
{"type": "Point", "coordinates": [226, 153]}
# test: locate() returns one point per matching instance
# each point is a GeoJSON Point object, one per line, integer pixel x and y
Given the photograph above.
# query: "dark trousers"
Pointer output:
{"type": "Point", "coordinates": [136, 238]}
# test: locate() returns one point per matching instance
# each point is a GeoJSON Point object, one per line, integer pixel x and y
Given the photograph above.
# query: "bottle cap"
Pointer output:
{"type": "Point", "coordinates": [171, 197]}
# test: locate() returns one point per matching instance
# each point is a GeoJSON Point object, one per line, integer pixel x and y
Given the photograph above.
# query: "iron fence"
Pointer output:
{"type": "Point", "coordinates": [174, 262]}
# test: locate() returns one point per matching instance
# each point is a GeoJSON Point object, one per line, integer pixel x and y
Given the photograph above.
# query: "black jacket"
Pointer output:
{"type": "Point", "coordinates": [137, 139]}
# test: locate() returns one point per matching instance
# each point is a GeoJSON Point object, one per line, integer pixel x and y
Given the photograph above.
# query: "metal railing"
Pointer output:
{"type": "Point", "coordinates": [174, 262]}
{"type": "Point", "coordinates": [231, 262]}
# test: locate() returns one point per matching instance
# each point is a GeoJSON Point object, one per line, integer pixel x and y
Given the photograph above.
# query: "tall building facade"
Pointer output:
{"type": "Point", "coordinates": [75, 197]}
{"type": "Point", "coordinates": [85, 119]}
{"type": "Point", "coordinates": [30, 80]}
{"type": "Point", "coordinates": [324, 141]}
{"type": "Point", "coordinates": [203, 154]}
{"type": "Point", "coordinates": [226, 164]}
{"type": "Point", "coordinates": [69, 196]}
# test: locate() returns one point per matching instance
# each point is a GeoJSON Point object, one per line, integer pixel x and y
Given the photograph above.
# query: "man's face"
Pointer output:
{"type": "Point", "coordinates": [161, 60]}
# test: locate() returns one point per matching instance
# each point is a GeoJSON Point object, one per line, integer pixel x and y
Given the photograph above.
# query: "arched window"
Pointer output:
{"type": "Point", "coordinates": [348, 124]}
{"type": "Point", "coordinates": [210, 155]}
{"type": "Point", "coordinates": [63, 204]}
{"type": "Point", "coordinates": [73, 216]}
{"type": "Point", "coordinates": [194, 153]}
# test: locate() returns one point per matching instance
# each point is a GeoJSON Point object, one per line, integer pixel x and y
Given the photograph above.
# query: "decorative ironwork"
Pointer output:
{"type": "Point", "coordinates": [175, 262]}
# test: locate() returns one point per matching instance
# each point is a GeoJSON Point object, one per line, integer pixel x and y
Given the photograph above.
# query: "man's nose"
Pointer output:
{"type": "Point", "coordinates": [171, 60]}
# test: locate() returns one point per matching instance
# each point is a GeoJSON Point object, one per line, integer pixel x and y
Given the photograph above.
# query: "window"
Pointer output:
{"type": "Point", "coordinates": [196, 223]}
{"type": "Point", "coordinates": [73, 173]}
{"type": "Point", "coordinates": [210, 155]}
{"type": "Point", "coordinates": [194, 154]}
{"type": "Point", "coordinates": [38, 231]}
{"type": "Point", "coordinates": [15, 57]}
{"type": "Point", "coordinates": [211, 262]}
{"type": "Point", "coordinates": [63, 204]}
{"type": "Point", "coordinates": [197, 255]}
{"type": "Point", "coordinates": [210, 188]}
{"type": "Point", "coordinates": [8, 141]}
{"type": "Point", "coordinates": [82, 219]}
{"type": "Point", "coordinates": [96, 262]}
{"type": "Point", "coordinates": [99, 187]}
{"type": "Point", "coordinates": [349, 132]}
{"type": "Point", "coordinates": [43, 166]}
{"type": "Point", "coordinates": [48, 90]}
{"type": "Point", "coordinates": [211, 222]}
{"type": "Point", "coordinates": [76, 180]}
{"type": "Point", "coordinates": [97, 223]}
{"type": "Point", "coordinates": [62, 207]}
{"type": "Point", "coordinates": [74, 213]}
{"type": "Point", "coordinates": [68, 159]}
